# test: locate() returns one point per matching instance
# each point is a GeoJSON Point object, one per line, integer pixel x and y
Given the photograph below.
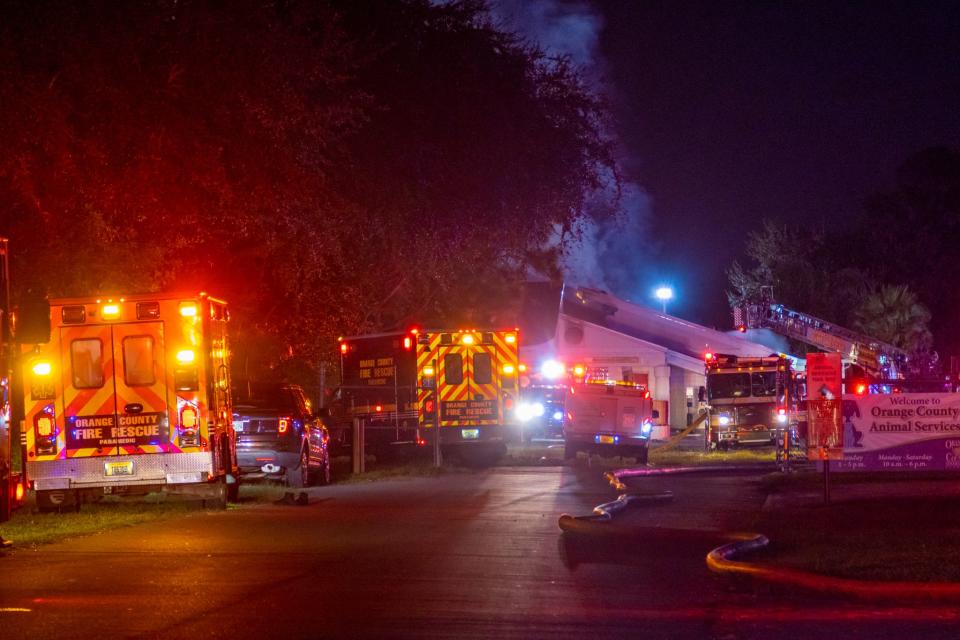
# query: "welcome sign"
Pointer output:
{"type": "Point", "coordinates": [901, 432]}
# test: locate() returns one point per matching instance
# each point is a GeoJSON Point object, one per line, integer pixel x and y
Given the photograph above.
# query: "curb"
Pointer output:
{"type": "Point", "coordinates": [603, 514]}
{"type": "Point", "coordinates": [722, 560]}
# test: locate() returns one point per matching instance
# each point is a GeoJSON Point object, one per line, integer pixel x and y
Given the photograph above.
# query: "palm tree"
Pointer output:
{"type": "Point", "coordinates": [894, 315]}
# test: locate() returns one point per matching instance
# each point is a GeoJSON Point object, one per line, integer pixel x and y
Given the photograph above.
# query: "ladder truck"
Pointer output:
{"type": "Point", "coordinates": [881, 362]}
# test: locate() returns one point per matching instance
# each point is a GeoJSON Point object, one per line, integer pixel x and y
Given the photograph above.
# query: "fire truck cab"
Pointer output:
{"type": "Point", "coordinates": [751, 400]}
{"type": "Point", "coordinates": [130, 395]}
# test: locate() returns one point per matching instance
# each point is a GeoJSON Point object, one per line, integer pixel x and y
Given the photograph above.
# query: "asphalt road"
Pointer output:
{"type": "Point", "coordinates": [472, 555]}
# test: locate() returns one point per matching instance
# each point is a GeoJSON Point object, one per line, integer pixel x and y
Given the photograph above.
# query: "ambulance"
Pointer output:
{"type": "Point", "coordinates": [130, 395]}
{"type": "Point", "coordinates": [407, 386]}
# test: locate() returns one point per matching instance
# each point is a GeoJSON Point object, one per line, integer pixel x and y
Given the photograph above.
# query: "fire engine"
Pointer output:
{"type": "Point", "coordinates": [406, 385]}
{"type": "Point", "coordinates": [130, 395]}
{"type": "Point", "coordinates": [609, 416]}
{"type": "Point", "coordinates": [750, 399]}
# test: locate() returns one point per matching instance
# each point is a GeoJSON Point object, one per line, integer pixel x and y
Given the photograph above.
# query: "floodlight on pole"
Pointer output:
{"type": "Point", "coordinates": [663, 294]}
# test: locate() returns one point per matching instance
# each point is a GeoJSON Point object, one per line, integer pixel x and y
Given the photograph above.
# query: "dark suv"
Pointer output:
{"type": "Point", "coordinates": [279, 437]}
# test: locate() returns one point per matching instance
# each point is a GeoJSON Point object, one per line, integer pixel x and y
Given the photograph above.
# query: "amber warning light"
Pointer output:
{"type": "Point", "coordinates": [42, 369]}
{"type": "Point", "coordinates": [110, 311]}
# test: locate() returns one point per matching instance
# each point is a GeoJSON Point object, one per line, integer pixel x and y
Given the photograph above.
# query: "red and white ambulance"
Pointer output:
{"type": "Point", "coordinates": [130, 395]}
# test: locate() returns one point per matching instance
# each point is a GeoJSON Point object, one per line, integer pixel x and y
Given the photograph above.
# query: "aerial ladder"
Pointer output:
{"type": "Point", "coordinates": [879, 360]}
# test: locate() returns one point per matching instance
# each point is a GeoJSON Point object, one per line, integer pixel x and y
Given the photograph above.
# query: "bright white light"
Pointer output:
{"type": "Point", "coordinates": [527, 411]}
{"type": "Point", "coordinates": [558, 415]}
{"type": "Point", "coordinates": [663, 293]}
{"type": "Point", "coordinates": [552, 369]}
{"type": "Point", "coordinates": [782, 419]}
{"type": "Point", "coordinates": [524, 411]}
{"type": "Point", "coordinates": [724, 420]}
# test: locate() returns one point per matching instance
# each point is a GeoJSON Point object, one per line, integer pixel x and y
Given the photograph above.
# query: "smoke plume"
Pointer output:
{"type": "Point", "coordinates": [610, 252]}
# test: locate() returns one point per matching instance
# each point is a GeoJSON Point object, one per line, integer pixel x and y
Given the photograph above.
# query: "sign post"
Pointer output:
{"type": "Point", "coordinates": [824, 402]}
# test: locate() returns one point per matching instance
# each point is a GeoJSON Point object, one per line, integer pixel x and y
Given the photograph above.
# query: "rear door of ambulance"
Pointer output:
{"type": "Point", "coordinates": [468, 384]}
{"type": "Point", "coordinates": [114, 382]}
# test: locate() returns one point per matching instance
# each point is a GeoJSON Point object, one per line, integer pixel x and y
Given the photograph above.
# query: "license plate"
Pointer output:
{"type": "Point", "coordinates": [118, 468]}
{"type": "Point", "coordinates": [607, 440]}
{"type": "Point", "coordinates": [470, 434]}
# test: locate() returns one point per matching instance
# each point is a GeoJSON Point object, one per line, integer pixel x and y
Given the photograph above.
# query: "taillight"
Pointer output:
{"type": "Point", "coordinates": [188, 417]}
{"type": "Point", "coordinates": [283, 425]}
{"type": "Point", "coordinates": [44, 424]}
{"type": "Point", "coordinates": [189, 423]}
{"type": "Point", "coordinates": [428, 405]}
{"type": "Point", "coordinates": [46, 430]}
{"type": "Point", "coordinates": [20, 491]}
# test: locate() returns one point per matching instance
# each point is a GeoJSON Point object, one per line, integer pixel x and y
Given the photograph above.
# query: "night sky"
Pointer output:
{"type": "Point", "coordinates": [740, 111]}
{"type": "Point", "coordinates": [731, 112]}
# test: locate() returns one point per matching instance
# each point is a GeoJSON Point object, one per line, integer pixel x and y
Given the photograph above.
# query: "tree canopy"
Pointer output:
{"type": "Point", "coordinates": [887, 274]}
{"type": "Point", "coordinates": [330, 167]}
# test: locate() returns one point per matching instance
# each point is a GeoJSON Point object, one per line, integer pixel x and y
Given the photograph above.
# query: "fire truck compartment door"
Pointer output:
{"type": "Point", "coordinates": [594, 414]}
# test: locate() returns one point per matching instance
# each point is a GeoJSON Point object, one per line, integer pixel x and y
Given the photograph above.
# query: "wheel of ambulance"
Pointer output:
{"type": "Point", "coordinates": [55, 500]}
{"type": "Point", "coordinates": [218, 495]}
